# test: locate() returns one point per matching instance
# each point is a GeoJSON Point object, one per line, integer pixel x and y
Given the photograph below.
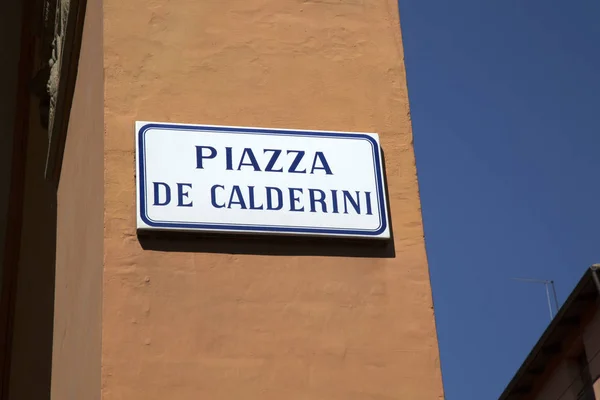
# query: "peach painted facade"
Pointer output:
{"type": "Point", "coordinates": [118, 316]}
{"type": "Point", "coordinates": [204, 323]}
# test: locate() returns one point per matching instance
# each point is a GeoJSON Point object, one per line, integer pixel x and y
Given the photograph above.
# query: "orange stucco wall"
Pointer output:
{"type": "Point", "coordinates": [79, 257]}
{"type": "Point", "coordinates": [210, 320]}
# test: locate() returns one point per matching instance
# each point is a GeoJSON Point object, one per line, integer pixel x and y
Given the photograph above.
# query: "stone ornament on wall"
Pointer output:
{"type": "Point", "coordinates": [60, 24]}
{"type": "Point", "coordinates": [59, 44]}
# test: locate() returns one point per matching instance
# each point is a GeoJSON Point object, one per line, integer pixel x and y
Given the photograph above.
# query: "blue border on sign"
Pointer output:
{"type": "Point", "coordinates": [258, 228]}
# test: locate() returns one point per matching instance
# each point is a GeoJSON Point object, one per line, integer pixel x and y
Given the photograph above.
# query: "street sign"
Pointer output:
{"type": "Point", "coordinates": [261, 181]}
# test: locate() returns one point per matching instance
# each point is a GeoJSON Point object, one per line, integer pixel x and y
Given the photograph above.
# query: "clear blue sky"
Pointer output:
{"type": "Point", "coordinates": [505, 101]}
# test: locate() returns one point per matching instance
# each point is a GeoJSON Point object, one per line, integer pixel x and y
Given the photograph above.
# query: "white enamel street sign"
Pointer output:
{"type": "Point", "coordinates": [256, 180]}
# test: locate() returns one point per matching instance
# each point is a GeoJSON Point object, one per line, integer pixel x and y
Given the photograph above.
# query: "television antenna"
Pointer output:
{"type": "Point", "coordinates": [547, 284]}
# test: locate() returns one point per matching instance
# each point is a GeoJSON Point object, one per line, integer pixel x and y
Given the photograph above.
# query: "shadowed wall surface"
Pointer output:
{"type": "Point", "coordinates": [10, 30]}
{"type": "Point", "coordinates": [79, 257]}
{"type": "Point", "coordinates": [224, 323]}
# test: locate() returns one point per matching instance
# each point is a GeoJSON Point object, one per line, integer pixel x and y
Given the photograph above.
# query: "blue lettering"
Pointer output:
{"type": "Point", "coordinates": [348, 198]}
{"type": "Point", "coordinates": [314, 200]}
{"type": "Point", "coordinates": [240, 199]}
{"type": "Point", "coordinates": [212, 153]}
{"type": "Point", "coordinates": [368, 198]}
{"type": "Point", "coordinates": [279, 198]}
{"type": "Point", "coordinates": [273, 160]}
{"type": "Point", "coordinates": [324, 165]}
{"type": "Point", "coordinates": [253, 163]}
{"type": "Point", "coordinates": [297, 159]}
{"type": "Point", "coordinates": [157, 202]}
{"type": "Point", "coordinates": [334, 201]}
{"type": "Point", "coordinates": [252, 205]}
{"type": "Point", "coordinates": [294, 200]}
{"type": "Point", "coordinates": [213, 196]}
{"type": "Point", "coordinates": [181, 194]}
{"type": "Point", "coordinates": [228, 159]}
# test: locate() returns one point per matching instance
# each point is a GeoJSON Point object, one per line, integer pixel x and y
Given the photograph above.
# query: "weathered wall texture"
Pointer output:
{"type": "Point", "coordinates": [79, 255]}
{"type": "Point", "coordinates": [220, 326]}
